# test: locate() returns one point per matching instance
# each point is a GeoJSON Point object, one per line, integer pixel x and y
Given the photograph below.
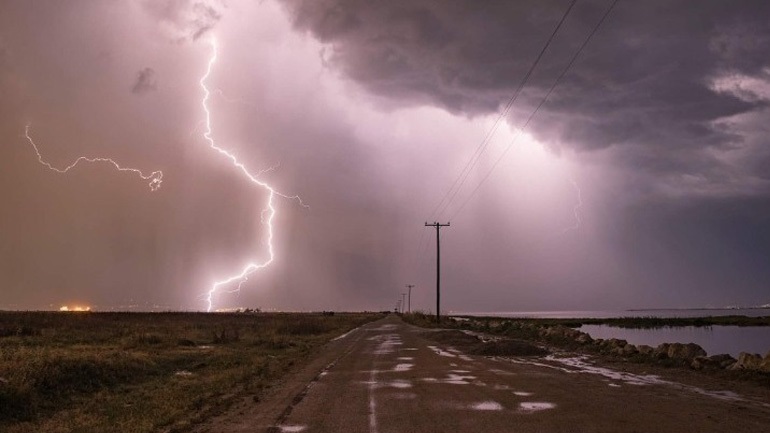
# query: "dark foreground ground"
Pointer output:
{"type": "Point", "coordinates": [146, 372]}
{"type": "Point", "coordinates": [388, 376]}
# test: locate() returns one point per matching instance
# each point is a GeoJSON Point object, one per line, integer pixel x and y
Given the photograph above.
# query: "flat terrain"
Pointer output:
{"type": "Point", "coordinates": [388, 376]}
{"type": "Point", "coordinates": [147, 372]}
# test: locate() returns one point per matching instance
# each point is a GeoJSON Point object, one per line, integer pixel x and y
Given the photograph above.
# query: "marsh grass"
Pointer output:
{"type": "Point", "coordinates": [142, 372]}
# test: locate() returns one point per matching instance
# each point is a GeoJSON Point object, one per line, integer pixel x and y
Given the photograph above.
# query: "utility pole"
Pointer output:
{"type": "Point", "coordinates": [410, 296]}
{"type": "Point", "coordinates": [403, 302]}
{"type": "Point", "coordinates": [438, 266]}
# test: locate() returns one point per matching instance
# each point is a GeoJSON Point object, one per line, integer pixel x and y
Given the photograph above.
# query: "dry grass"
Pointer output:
{"type": "Point", "coordinates": [143, 372]}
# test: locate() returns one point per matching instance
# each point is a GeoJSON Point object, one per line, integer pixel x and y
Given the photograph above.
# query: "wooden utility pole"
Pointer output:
{"type": "Point", "coordinates": [438, 266]}
{"type": "Point", "coordinates": [409, 286]}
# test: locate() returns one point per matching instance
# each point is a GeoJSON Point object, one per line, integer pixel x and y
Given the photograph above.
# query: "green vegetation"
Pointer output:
{"type": "Point", "coordinates": [142, 372]}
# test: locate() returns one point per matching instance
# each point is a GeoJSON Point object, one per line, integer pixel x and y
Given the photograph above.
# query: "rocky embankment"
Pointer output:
{"type": "Point", "coordinates": [689, 354]}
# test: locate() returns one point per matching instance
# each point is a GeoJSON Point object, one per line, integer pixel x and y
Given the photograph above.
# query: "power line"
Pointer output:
{"type": "Point", "coordinates": [542, 102]}
{"type": "Point", "coordinates": [463, 176]}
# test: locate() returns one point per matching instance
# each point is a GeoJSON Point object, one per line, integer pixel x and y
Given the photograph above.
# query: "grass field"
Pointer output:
{"type": "Point", "coordinates": [143, 372]}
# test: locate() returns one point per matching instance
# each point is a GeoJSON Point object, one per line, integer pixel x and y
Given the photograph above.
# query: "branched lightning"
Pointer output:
{"type": "Point", "coordinates": [268, 213]}
{"type": "Point", "coordinates": [155, 178]}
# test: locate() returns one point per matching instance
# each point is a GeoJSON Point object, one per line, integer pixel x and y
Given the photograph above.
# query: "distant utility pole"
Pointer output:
{"type": "Point", "coordinates": [403, 302]}
{"type": "Point", "coordinates": [410, 296]}
{"type": "Point", "coordinates": [438, 266]}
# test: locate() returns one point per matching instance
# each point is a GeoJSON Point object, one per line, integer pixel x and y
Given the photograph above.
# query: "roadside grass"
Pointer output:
{"type": "Point", "coordinates": [145, 372]}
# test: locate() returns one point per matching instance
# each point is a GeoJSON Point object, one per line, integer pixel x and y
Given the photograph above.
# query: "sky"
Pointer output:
{"type": "Point", "coordinates": [642, 181]}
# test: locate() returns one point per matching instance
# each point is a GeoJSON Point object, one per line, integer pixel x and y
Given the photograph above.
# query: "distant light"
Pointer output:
{"type": "Point", "coordinates": [74, 308]}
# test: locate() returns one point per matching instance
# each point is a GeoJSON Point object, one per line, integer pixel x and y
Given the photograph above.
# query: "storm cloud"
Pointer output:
{"type": "Point", "coordinates": [642, 182]}
{"type": "Point", "coordinates": [647, 86]}
{"type": "Point", "coordinates": [145, 82]}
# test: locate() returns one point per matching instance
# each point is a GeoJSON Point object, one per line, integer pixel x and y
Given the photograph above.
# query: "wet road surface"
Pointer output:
{"type": "Point", "coordinates": [388, 377]}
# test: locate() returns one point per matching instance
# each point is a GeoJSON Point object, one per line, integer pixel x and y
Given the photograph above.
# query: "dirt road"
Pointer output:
{"type": "Point", "coordinates": [388, 377]}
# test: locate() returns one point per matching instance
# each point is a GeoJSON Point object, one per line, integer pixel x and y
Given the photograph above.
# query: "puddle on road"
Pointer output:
{"type": "Point", "coordinates": [403, 367]}
{"type": "Point", "coordinates": [453, 379]}
{"type": "Point", "coordinates": [292, 428]}
{"type": "Point", "coordinates": [441, 352]}
{"type": "Point", "coordinates": [535, 406]}
{"type": "Point", "coordinates": [399, 384]}
{"type": "Point", "coordinates": [383, 328]}
{"type": "Point", "coordinates": [388, 343]}
{"type": "Point", "coordinates": [487, 405]}
{"type": "Point", "coordinates": [405, 358]}
{"type": "Point", "coordinates": [522, 393]}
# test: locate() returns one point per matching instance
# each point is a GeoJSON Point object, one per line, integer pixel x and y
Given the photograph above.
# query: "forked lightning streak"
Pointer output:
{"type": "Point", "coordinates": [268, 214]}
{"type": "Point", "coordinates": [155, 179]}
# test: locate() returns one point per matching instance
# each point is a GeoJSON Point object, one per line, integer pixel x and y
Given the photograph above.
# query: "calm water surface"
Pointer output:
{"type": "Point", "coordinates": [713, 339]}
{"type": "Point", "coordinates": [750, 312]}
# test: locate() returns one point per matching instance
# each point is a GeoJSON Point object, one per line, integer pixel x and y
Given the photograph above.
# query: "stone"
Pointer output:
{"type": "Point", "coordinates": [661, 352]}
{"type": "Point", "coordinates": [629, 349]}
{"type": "Point", "coordinates": [685, 351]}
{"type": "Point", "coordinates": [765, 364]}
{"type": "Point", "coordinates": [584, 338]}
{"type": "Point", "coordinates": [722, 360]}
{"type": "Point", "coordinates": [715, 362]}
{"type": "Point", "coordinates": [645, 349]}
{"type": "Point", "coordinates": [747, 361]}
{"type": "Point", "coordinates": [699, 363]}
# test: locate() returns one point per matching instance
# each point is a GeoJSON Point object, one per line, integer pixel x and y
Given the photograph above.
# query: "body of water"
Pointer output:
{"type": "Point", "coordinates": [750, 312]}
{"type": "Point", "coordinates": [713, 339]}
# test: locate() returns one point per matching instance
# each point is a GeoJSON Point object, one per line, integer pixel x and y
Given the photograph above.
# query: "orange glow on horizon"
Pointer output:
{"type": "Point", "coordinates": [75, 308]}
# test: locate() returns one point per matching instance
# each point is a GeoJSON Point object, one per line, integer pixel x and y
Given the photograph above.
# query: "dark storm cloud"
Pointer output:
{"type": "Point", "coordinates": [145, 82]}
{"type": "Point", "coordinates": [726, 240]}
{"type": "Point", "coordinates": [187, 19]}
{"type": "Point", "coordinates": [643, 84]}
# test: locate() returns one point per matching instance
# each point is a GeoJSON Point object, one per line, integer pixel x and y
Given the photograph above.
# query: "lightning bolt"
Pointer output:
{"type": "Point", "coordinates": [268, 213]}
{"type": "Point", "coordinates": [154, 179]}
{"type": "Point", "coordinates": [576, 208]}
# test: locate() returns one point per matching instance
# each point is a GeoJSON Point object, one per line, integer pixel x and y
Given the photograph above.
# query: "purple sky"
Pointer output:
{"type": "Point", "coordinates": [644, 181]}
